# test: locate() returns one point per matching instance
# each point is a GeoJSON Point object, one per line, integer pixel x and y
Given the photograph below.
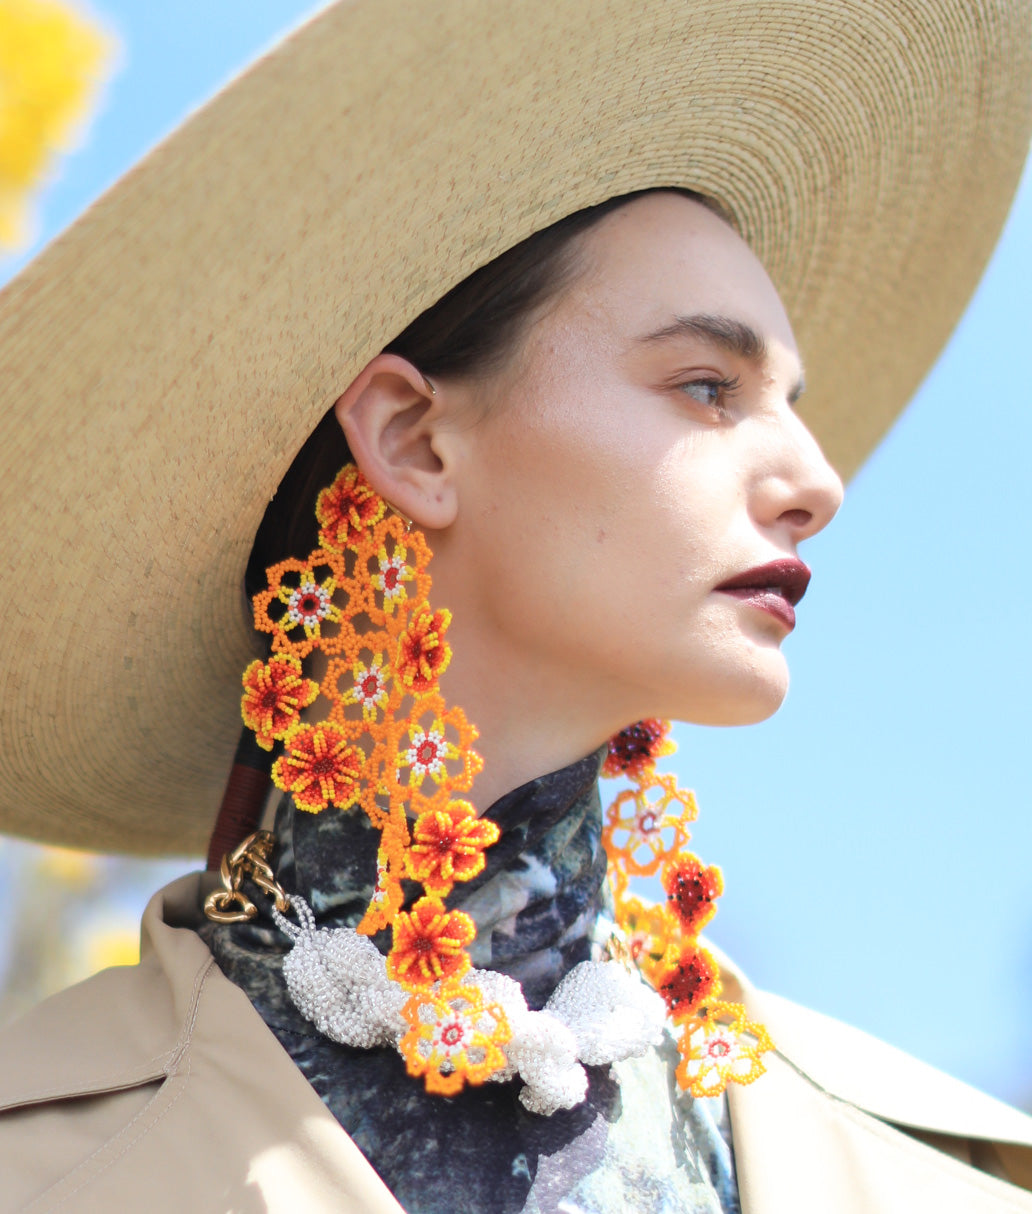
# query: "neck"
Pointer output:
{"type": "Point", "coordinates": [530, 718]}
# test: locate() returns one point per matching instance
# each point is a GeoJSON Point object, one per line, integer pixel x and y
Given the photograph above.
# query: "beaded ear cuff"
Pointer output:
{"type": "Point", "coordinates": [388, 744]}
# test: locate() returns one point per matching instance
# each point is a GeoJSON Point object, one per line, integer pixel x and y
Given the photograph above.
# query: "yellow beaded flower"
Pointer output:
{"type": "Point", "coordinates": [721, 1046]}
{"type": "Point", "coordinates": [454, 1038]}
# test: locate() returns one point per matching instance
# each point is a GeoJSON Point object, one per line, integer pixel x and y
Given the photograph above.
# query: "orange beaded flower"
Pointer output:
{"type": "Point", "coordinates": [319, 768]}
{"type": "Point", "coordinates": [634, 750]}
{"type": "Point", "coordinates": [274, 694]}
{"type": "Point", "coordinates": [435, 751]}
{"type": "Point", "coordinates": [429, 944]}
{"type": "Point", "coordinates": [423, 653]}
{"type": "Point", "coordinates": [648, 824]}
{"type": "Point", "coordinates": [721, 1046]}
{"type": "Point", "coordinates": [454, 1038]}
{"type": "Point", "coordinates": [448, 846]}
{"type": "Point", "coordinates": [303, 607]}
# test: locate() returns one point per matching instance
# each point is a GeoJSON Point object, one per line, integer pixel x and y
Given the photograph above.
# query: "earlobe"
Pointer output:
{"type": "Point", "coordinates": [391, 416]}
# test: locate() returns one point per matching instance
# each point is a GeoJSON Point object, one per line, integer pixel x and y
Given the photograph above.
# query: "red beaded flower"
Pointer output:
{"type": "Point", "coordinates": [347, 509]}
{"type": "Point", "coordinates": [688, 982]}
{"type": "Point", "coordinates": [692, 892]}
{"type": "Point", "coordinates": [429, 944]}
{"type": "Point", "coordinates": [319, 767]}
{"type": "Point", "coordinates": [274, 694]}
{"type": "Point", "coordinates": [634, 750]}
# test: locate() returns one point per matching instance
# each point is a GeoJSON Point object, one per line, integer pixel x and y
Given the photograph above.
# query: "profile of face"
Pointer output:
{"type": "Point", "coordinates": [587, 501]}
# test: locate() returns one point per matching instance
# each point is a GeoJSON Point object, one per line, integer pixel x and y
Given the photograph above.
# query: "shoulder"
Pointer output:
{"type": "Point", "coordinates": [846, 1119]}
{"type": "Point", "coordinates": [159, 1087]}
{"type": "Point", "coordinates": [884, 1080]}
{"type": "Point", "coordinates": [78, 1071]}
{"type": "Point", "coordinates": [121, 1027]}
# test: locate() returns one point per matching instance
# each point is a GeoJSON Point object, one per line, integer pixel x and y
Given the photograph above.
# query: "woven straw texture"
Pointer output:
{"type": "Point", "coordinates": [164, 359]}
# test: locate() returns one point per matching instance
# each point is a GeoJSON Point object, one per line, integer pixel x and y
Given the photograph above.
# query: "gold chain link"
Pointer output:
{"type": "Point", "coordinates": [251, 859]}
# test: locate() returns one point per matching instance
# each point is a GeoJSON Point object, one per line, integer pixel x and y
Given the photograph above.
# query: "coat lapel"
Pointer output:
{"type": "Point", "coordinates": [842, 1122]}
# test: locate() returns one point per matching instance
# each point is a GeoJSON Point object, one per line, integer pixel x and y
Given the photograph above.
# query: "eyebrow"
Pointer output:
{"type": "Point", "coordinates": [729, 334]}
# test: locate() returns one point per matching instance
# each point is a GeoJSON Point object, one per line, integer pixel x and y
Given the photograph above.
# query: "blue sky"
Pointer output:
{"type": "Point", "coordinates": [875, 835]}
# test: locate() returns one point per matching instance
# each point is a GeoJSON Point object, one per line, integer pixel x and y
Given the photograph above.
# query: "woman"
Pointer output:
{"type": "Point", "coordinates": [651, 375]}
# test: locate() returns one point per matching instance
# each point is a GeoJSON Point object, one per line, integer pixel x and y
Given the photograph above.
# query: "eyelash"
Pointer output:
{"type": "Point", "coordinates": [725, 387]}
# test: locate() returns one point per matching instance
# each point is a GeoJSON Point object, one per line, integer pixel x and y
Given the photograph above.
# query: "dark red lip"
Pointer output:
{"type": "Point", "coordinates": [775, 587]}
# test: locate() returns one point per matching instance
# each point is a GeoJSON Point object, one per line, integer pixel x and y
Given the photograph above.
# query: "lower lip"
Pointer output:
{"type": "Point", "coordinates": [766, 600]}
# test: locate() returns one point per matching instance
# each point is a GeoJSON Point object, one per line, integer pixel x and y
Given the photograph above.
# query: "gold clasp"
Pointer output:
{"type": "Point", "coordinates": [251, 859]}
{"type": "Point", "coordinates": [616, 949]}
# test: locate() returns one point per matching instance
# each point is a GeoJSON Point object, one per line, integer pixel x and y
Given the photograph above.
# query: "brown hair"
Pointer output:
{"type": "Point", "coordinates": [469, 331]}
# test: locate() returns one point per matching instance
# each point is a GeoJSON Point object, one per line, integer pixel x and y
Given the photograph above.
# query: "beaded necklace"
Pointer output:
{"type": "Point", "coordinates": [390, 746]}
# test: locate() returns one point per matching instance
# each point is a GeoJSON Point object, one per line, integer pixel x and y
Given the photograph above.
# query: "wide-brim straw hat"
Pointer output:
{"type": "Point", "coordinates": [165, 358]}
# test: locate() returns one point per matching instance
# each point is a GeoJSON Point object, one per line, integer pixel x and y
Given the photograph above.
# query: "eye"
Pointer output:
{"type": "Point", "coordinates": [711, 392]}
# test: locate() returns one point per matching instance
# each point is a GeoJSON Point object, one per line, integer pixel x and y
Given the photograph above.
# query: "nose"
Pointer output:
{"type": "Point", "coordinates": [800, 491]}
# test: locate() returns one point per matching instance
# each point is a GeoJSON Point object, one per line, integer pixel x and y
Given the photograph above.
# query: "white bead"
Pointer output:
{"type": "Point", "coordinates": [611, 1012]}
{"type": "Point", "coordinates": [338, 980]}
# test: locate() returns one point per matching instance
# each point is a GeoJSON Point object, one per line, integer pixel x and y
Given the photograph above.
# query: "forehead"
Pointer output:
{"type": "Point", "coordinates": [663, 256]}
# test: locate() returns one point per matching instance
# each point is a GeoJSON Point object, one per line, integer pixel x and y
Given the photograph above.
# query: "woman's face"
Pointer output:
{"type": "Point", "coordinates": [639, 452]}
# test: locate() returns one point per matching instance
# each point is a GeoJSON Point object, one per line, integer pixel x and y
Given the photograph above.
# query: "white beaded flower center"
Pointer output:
{"type": "Point", "coordinates": [453, 1035]}
{"type": "Point", "coordinates": [309, 604]}
{"type": "Point", "coordinates": [371, 686]}
{"type": "Point", "coordinates": [389, 579]}
{"type": "Point", "coordinates": [426, 752]}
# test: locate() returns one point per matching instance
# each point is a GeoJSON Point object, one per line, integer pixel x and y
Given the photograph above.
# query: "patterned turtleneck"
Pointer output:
{"type": "Point", "coordinates": [540, 905]}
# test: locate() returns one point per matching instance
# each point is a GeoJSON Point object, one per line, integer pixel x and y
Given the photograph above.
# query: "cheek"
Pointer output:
{"type": "Point", "coordinates": [557, 518]}
{"type": "Point", "coordinates": [603, 523]}
{"type": "Point", "coordinates": [597, 547]}
{"type": "Point", "coordinates": [547, 462]}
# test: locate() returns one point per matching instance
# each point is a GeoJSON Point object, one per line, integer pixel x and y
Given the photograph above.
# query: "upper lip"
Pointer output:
{"type": "Point", "coordinates": [788, 577]}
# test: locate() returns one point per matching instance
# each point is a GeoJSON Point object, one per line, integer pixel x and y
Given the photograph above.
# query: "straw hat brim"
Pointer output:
{"type": "Point", "coordinates": [165, 358]}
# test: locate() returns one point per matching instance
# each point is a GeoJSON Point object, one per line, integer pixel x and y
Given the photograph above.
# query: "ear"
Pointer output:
{"type": "Point", "coordinates": [393, 421]}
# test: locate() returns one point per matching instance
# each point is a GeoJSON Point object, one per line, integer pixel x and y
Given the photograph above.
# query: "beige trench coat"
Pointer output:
{"type": "Point", "coordinates": [159, 1088]}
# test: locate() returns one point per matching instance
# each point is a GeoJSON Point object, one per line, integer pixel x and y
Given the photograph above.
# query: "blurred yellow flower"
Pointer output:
{"type": "Point", "coordinates": [75, 869]}
{"type": "Point", "coordinates": [51, 62]}
{"type": "Point", "coordinates": [109, 943]}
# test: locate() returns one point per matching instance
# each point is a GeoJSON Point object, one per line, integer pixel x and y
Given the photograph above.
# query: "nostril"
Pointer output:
{"type": "Point", "coordinates": [797, 518]}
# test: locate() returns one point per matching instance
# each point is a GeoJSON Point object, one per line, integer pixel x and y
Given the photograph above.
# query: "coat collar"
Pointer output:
{"type": "Point", "coordinates": [858, 1069]}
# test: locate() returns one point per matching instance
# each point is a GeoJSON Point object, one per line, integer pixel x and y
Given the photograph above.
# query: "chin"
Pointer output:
{"type": "Point", "coordinates": [746, 698]}
{"type": "Point", "coordinates": [754, 713]}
